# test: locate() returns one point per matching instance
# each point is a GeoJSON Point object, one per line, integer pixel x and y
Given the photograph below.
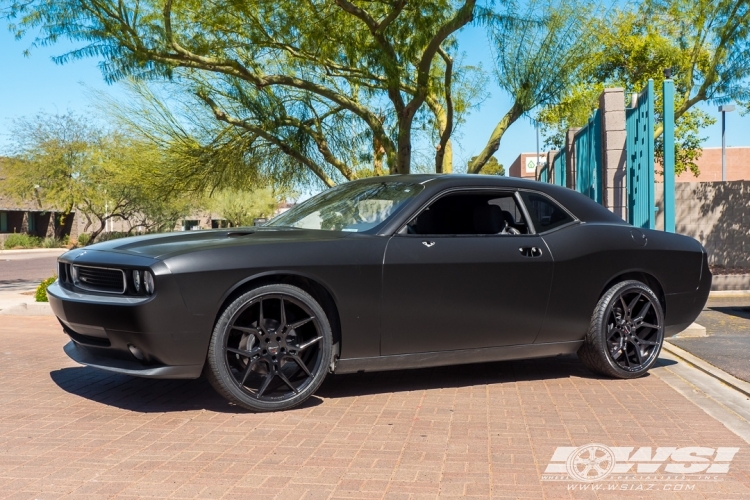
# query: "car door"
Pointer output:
{"type": "Point", "coordinates": [452, 283]}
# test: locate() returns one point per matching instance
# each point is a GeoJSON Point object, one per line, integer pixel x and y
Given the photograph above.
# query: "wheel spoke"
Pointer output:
{"type": "Point", "coordinates": [266, 382]}
{"type": "Point", "coordinates": [260, 317]}
{"type": "Point", "coordinates": [307, 344]}
{"type": "Point", "coordinates": [246, 329]}
{"type": "Point", "coordinates": [248, 369]}
{"type": "Point", "coordinates": [644, 311]}
{"type": "Point", "coordinates": [648, 325]}
{"type": "Point", "coordinates": [283, 316]}
{"type": "Point", "coordinates": [624, 306]}
{"type": "Point", "coordinates": [299, 323]}
{"type": "Point", "coordinates": [632, 304]}
{"type": "Point", "coordinates": [286, 381]}
{"type": "Point", "coordinates": [242, 352]}
{"type": "Point", "coordinates": [613, 332]}
{"type": "Point", "coordinates": [638, 352]}
{"type": "Point", "coordinates": [301, 364]}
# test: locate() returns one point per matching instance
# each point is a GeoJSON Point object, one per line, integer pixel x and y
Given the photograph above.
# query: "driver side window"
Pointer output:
{"type": "Point", "coordinates": [470, 214]}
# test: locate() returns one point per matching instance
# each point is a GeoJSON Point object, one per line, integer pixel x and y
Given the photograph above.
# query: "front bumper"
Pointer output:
{"type": "Point", "coordinates": [170, 342]}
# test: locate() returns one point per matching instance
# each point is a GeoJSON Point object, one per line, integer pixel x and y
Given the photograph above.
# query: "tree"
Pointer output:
{"type": "Point", "coordinates": [240, 208]}
{"type": "Point", "coordinates": [492, 167]}
{"type": "Point", "coordinates": [289, 77]}
{"type": "Point", "coordinates": [537, 60]}
{"type": "Point", "coordinates": [704, 43]}
{"type": "Point", "coordinates": [65, 163]}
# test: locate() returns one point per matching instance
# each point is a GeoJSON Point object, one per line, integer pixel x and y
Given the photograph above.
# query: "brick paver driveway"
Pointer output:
{"type": "Point", "coordinates": [478, 431]}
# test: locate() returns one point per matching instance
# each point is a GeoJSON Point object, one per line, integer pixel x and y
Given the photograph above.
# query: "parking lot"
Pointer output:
{"type": "Point", "coordinates": [480, 431]}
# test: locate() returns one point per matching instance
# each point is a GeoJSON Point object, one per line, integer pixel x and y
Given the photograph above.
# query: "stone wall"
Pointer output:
{"type": "Point", "coordinates": [715, 213]}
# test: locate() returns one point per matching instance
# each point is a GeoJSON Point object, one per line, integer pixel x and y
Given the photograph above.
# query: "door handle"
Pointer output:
{"type": "Point", "coordinates": [530, 251]}
{"type": "Point", "coordinates": [428, 244]}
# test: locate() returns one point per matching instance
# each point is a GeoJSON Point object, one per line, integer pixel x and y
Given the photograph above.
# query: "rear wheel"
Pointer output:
{"type": "Point", "coordinates": [270, 349]}
{"type": "Point", "coordinates": [626, 332]}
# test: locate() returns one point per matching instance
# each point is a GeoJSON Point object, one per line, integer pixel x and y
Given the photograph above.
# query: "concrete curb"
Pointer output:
{"type": "Point", "coordinates": [28, 309]}
{"type": "Point", "coordinates": [693, 331]}
{"type": "Point", "coordinates": [19, 251]}
{"type": "Point", "coordinates": [729, 293]}
{"type": "Point", "coordinates": [730, 282]}
{"type": "Point", "coordinates": [709, 369]}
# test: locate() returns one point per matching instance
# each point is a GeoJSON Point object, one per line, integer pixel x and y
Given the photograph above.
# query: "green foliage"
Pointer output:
{"type": "Point", "coordinates": [22, 240]}
{"type": "Point", "coordinates": [84, 239]}
{"type": "Point", "coordinates": [41, 290]}
{"type": "Point", "coordinates": [64, 162]}
{"type": "Point", "coordinates": [538, 59]}
{"type": "Point", "coordinates": [111, 235]}
{"type": "Point", "coordinates": [705, 43]}
{"type": "Point", "coordinates": [315, 89]}
{"type": "Point", "coordinates": [51, 243]}
{"type": "Point", "coordinates": [239, 208]}
{"type": "Point", "coordinates": [492, 167]}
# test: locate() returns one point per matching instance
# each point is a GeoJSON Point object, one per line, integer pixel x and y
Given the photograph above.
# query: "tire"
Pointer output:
{"type": "Point", "coordinates": [626, 332]}
{"type": "Point", "coordinates": [270, 349]}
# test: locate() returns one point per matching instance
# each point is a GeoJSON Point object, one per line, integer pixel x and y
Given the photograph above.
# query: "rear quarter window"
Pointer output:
{"type": "Point", "coordinates": [545, 214]}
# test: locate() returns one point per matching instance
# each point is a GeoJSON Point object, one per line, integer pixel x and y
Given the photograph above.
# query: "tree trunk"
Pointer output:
{"type": "Point", "coordinates": [493, 144]}
{"type": "Point", "coordinates": [403, 159]}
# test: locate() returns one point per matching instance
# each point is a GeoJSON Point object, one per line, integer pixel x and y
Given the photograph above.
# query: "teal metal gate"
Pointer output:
{"type": "Point", "coordinates": [558, 169]}
{"type": "Point", "coordinates": [588, 152]}
{"type": "Point", "coordinates": [639, 124]}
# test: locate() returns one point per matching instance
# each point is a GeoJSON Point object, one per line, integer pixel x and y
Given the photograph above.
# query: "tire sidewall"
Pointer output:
{"type": "Point", "coordinates": [609, 302]}
{"type": "Point", "coordinates": [216, 352]}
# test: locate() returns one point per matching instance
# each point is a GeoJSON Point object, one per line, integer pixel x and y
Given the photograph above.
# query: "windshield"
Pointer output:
{"type": "Point", "coordinates": [354, 207]}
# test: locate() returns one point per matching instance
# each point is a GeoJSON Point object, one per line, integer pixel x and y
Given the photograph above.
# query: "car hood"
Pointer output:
{"type": "Point", "coordinates": [162, 246]}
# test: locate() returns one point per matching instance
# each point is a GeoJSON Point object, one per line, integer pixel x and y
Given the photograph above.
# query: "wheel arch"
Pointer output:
{"type": "Point", "coordinates": [321, 293]}
{"type": "Point", "coordinates": [642, 276]}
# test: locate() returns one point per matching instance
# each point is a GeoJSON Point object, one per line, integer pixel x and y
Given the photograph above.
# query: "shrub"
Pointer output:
{"type": "Point", "coordinates": [22, 240]}
{"type": "Point", "coordinates": [41, 291]}
{"type": "Point", "coordinates": [111, 235]}
{"type": "Point", "coordinates": [51, 243]}
{"type": "Point", "coordinates": [84, 239]}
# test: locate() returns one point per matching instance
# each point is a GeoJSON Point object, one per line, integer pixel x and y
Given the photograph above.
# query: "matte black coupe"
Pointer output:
{"type": "Point", "coordinates": [383, 274]}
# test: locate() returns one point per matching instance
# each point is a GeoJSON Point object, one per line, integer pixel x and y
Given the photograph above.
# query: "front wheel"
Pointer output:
{"type": "Point", "coordinates": [270, 349]}
{"type": "Point", "coordinates": [626, 332]}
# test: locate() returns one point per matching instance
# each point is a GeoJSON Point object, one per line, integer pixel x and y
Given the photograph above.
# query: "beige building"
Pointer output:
{"type": "Point", "coordinates": [525, 165]}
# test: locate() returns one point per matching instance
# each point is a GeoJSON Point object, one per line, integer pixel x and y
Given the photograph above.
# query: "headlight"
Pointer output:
{"type": "Point", "coordinates": [73, 273]}
{"type": "Point", "coordinates": [137, 281]}
{"type": "Point", "coordinates": [148, 282]}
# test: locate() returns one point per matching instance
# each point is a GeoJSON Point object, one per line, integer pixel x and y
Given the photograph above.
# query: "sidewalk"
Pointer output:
{"type": "Point", "coordinates": [480, 431]}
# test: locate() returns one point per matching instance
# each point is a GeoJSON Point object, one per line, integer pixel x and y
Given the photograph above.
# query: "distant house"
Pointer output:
{"type": "Point", "coordinates": [29, 217]}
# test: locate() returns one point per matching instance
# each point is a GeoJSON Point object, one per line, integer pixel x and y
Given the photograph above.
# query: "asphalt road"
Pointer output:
{"type": "Point", "coordinates": [727, 322]}
{"type": "Point", "coordinates": [26, 269]}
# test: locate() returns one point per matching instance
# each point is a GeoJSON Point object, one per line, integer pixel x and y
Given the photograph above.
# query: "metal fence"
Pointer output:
{"type": "Point", "coordinates": [558, 169]}
{"type": "Point", "coordinates": [639, 126]}
{"type": "Point", "coordinates": [588, 154]}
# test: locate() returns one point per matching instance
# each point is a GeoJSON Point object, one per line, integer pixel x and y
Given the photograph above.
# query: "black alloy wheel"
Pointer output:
{"type": "Point", "coordinates": [270, 349]}
{"type": "Point", "coordinates": [626, 332]}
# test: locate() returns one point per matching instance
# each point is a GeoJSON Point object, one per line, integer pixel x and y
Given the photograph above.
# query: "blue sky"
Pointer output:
{"type": "Point", "coordinates": [30, 84]}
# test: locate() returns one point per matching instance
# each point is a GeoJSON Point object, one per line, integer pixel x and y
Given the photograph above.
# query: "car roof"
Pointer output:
{"type": "Point", "coordinates": [584, 208]}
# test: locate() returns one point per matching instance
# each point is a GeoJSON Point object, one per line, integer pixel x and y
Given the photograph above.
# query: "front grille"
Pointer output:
{"type": "Point", "coordinates": [99, 279]}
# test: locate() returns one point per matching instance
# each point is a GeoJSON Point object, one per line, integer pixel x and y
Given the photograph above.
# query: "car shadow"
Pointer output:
{"type": "Point", "coordinates": [362, 384]}
{"type": "Point", "coordinates": [145, 395]}
{"type": "Point", "coordinates": [155, 395]}
{"type": "Point", "coordinates": [740, 312]}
